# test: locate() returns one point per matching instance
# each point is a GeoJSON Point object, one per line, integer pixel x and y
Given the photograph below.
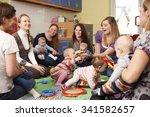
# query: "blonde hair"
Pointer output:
{"type": "Point", "coordinates": [83, 45]}
{"type": "Point", "coordinates": [67, 51]}
{"type": "Point", "coordinates": [146, 6]}
{"type": "Point", "coordinates": [114, 34]}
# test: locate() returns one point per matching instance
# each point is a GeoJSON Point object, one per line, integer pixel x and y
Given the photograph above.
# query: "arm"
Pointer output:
{"type": "Point", "coordinates": [19, 59]}
{"type": "Point", "coordinates": [109, 51]}
{"type": "Point", "coordinates": [132, 73]}
{"type": "Point", "coordinates": [97, 48]}
{"type": "Point", "coordinates": [121, 65]}
{"type": "Point", "coordinates": [49, 48]}
{"type": "Point", "coordinates": [32, 57]}
{"type": "Point", "coordinates": [11, 69]}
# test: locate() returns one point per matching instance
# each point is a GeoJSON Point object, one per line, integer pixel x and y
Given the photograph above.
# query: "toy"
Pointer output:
{"type": "Point", "coordinates": [73, 92]}
{"type": "Point", "coordinates": [79, 53]}
{"type": "Point", "coordinates": [44, 81]}
{"type": "Point", "coordinates": [108, 61]}
{"type": "Point", "coordinates": [49, 93]}
{"type": "Point", "coordinates": [22, 63]}
{"type": "Point", "coordinates": [81, 83]}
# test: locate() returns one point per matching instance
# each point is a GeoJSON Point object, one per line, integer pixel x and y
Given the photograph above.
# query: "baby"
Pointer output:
{"type": "Point", "coordinates": [23, 79]}
{"type": "Point", "coordinates": [63, 69]}
{"type": "Point", "coordinates": [42, 45]}
{"type": "Point", "coordinates": [123, 48]}
{"type": "Point", "coordinates": [83, 49]}
{"type": "Point", "coordinates": [91, 73]}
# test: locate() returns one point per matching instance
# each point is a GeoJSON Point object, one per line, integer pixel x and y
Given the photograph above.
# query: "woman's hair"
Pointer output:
{"type": "Point", "coordinates": [55, 40]}
{"type": "Point", "coordinates": [146, 6]}
{"type": "Point", "coordinates": [7, 11]}
{"type": "Point", "coordinates": [114, 34]}
{"type": "Point", "coordinates": [20, 16]}
{"type": "Point", "coordinates": [84, 37]}
{"type": "Point", "coordinates": [30, 38]}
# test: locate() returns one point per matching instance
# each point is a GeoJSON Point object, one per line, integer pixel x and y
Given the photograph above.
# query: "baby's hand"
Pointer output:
{"type": "Point", "coordinates": [109, 83]}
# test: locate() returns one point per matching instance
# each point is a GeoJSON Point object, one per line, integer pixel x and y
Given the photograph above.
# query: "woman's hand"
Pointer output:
{"type": "Point", "coordinates": [97, 55]}
{"type": "Point", "coordinates": [39, 68]}
{"type": "Point", "coordinates": [54, 52]}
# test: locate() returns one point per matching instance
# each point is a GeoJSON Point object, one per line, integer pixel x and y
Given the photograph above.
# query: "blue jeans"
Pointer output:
{"type": "Point", "coordinates": [17, 92]}
{"type": "Point", "coordinates": [24, 81]}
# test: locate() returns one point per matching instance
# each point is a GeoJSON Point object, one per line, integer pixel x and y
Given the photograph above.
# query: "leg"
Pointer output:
{"type": "Point", "coordinates": [27, 75]}
{"type": "Point", "coordinates": [62, 76]}
{"type": "Point", "coordinates": [14, 94]}
{"type": "Point", "coordinates": [96, 97]}
{"type": "Point", "coordinates": [117, 86]}
{"type": "Point", "coordinates": [72, 80]}
{"type": "Point", "coordinates": [26, 84]}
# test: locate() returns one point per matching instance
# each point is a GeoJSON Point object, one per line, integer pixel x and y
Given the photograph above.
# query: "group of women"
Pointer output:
{"type": "Point", "coordinates": [104, 44]}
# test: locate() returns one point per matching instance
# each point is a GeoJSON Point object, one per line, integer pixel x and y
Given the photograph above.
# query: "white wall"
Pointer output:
{"type": "Point", "coordinates": [40, 15]}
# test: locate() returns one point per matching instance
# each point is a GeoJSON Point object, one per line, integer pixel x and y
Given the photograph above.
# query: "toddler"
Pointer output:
{"type": "Point", "coordinates": [91, 73]}
{"type": "Point", "coordinates": [42, 45]}
{"type": "Point", "coordinates": [63, 69]}
{"type": "Point", "coordinates": [123, 48]}
{"type": "Point", "coordinates": [83, 49]}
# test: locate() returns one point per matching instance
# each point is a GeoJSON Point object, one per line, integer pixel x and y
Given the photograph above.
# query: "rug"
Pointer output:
{"type": "Point", "coordinates": [51, 85]}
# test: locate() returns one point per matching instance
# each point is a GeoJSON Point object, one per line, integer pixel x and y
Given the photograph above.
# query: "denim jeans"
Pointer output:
{"type": "Point", "coordinates": [24, 81]}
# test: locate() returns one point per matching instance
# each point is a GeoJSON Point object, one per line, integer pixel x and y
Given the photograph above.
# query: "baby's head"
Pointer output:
{"type": "Point", "coordinates": [98, 64]}
{"type": "Point", "coordinates": [123, 45]}
{"type": "Point", "coordinates": [42, 41]}
{"type": "Point", "coordinates": [83, 46]}
{"type": "Point", "coordinates": [69, 52]}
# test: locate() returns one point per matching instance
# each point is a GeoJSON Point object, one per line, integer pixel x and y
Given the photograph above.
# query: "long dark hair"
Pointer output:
{"type": "Point", "coordinates": [7, 11]}
{"type": "Point", "coordinates": [84, 37]}
{"type": "Point", "coordinates": [55, 40]}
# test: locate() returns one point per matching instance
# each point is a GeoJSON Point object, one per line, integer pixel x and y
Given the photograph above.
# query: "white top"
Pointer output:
{"type": "Point", "coordinates": [24, 39]}
{"type": "Point", "coordinates": [122, 63]}
{"type": "Point", "coordinates": [88, 74]}
{"type": "Point", "coordinates": [8, 45]}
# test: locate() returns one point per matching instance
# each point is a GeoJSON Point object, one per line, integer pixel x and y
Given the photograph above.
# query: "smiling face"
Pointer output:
{"type": "Point", "coordinates": [24, 23]}
{"type": "Point", "coordinates": [78, 32]}
{"type": "Point", "coordinates": [53, 30]}
{"type": "Point", "coordinates": [106, 27]}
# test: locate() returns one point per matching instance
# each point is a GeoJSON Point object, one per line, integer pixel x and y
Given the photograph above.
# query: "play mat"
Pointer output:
{"type": "Point", "coordinates": [58, 96]}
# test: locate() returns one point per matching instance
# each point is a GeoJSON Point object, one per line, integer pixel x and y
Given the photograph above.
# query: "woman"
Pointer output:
{"type": "Point", "coordinates": [79, 36]}
{"type": "Point", "coordinates": [24, 41]}
{"type": "Point", "coordinates": [105, 39]}
{"type": "Point", "coordinates": [133, 76]}
{"type": "Point", "coordinates": [8, 49]}
{"type": "Point", "coordinates": [51, 37]}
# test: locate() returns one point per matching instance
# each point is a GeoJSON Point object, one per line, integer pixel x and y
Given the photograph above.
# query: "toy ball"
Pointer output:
{"type": "Point", "coordinates": [46, 93]}
{"type": "Point", "coordinates": [44, 81]}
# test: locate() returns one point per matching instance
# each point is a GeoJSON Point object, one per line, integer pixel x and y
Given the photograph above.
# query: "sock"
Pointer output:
{"type": "Point", "coordinates": [116, 87]}
{"type": "Point", "coordinates": [34, 93]}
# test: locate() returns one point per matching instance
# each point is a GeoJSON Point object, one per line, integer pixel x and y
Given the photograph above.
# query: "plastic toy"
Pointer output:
{"type": "Point", "coordinates": [81, 83]}
{"type": "Point", "coordinates": [108, 60]}
{"type": "Point", "coordinates": [73, 92]}
{"type": "Point", "coordinates": [49, 93]}
{"type": "Point", "coordinates": [44, 81]}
